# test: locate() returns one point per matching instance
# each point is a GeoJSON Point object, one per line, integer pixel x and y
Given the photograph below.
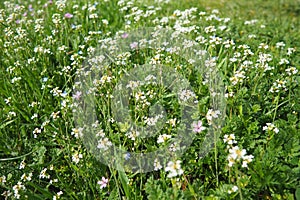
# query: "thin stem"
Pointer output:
{"type": "Point", "coordinates": [238, 180]}
{"type": "Point", "coordinates": [216, 158]}
{"type": "Point", "coordinates": [277, 102]}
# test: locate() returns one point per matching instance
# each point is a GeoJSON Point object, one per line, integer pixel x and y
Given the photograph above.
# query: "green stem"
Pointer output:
{"type": "Point", "coordinates": [238, 184]}
{"type": "Point", "coordinates": [277, 102]}
{"type": "Point", "coordinates": [216, 158]}
{"type": "Point", "coordinates": [15, 158]}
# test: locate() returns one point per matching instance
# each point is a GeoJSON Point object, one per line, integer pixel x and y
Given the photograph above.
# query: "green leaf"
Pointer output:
{"type": "Point", "coordinates": [114, 195]}
{"type": "Point", "coordinates": [45, 192]}
{"type": "Point", "coordinates": [125, 183]}
{"type": "Point", "coordinates": [40, 154]}
{"type": "Point", "coordinates": [297, 194]}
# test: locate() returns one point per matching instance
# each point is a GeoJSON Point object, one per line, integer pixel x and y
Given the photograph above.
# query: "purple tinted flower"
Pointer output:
{"type": "Point", "coordinates": [134, 45]}
{"type": "Point", "coordinates": [68, 15]}
{"type": "Point", "coordinates": [17, 21]}
{"type": "Point", "coordinates": [198, 127]}
{"type": "Point", "coordinates": [103, 183]}
{"type": "Point", "coordinates": [30, 8]}
{"type": "Point", "coordinates": [77, 95]}
{"type": "Point", "coordinates": [124, 35]}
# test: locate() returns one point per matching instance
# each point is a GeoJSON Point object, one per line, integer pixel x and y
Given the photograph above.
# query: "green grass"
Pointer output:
{"type": "Point", "coordinates": [40, 64]}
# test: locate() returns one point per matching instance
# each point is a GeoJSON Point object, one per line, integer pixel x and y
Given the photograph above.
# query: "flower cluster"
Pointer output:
{"type": "Point", "coordinates": [235, 153]}
{"type": "Point", "coordinates": [212, 114]}
{"type": "Point", "coordinates": [270, 128]}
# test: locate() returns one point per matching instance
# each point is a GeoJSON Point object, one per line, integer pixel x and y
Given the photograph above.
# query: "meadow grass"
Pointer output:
{"type": "Point", "coordinates": [48, 51]}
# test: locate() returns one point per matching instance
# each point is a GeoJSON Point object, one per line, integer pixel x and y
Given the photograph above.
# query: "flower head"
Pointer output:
{"type": "Point", "coordinates": [271, 127]}
{"type": "Point", "coordinates": [174, 168]}
{"type": "Point", "coordinates": [68, 15]}
{"type": "Point", "coordinates": [198, 126]}
{"type": "Point", "coordinates": [103, 183]}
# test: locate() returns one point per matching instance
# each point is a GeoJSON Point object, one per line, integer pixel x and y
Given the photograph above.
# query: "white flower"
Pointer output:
{"type": "Point", "coordinates": [132, 134]}
{"type": "Point", "coordinates": [3, 179]}
{"type": "Point", "coordinates": [236, 153]}
{"type": "Point", "coordinates": [77, 132]}
{"type": "Point", "coordinates": [280, 44]}
{"type": "Point", "coordinates": [43, 174]}
{"type": "Point", "coordinates": [105, 21]}
{"type": "Point", "coordinates": [151, 121]}
{"type": "Point", "coordinates": [133, 84]}
{"type": "Point", "coordinates": [212, 114]}
{"type": "Point", "coordinates": [284, 61]}
{"type": "Point", "coordinates": [229, 139]}
{"type": "Point", "coordinates": [76, 157]}
{"type": "Point", "coordinates": [233, 189]}
{"type": "Point", "coordinates": [57, 196]}
{"type": "Point", "coordinates": [291, 71]}
{"type": "Point", "coordinates": [278, 86]}
{"type": "Point", "coordinates": [157, 165]}
{"type": "Point", "coordinates": [162, 138]}
{"type": "Point", "coordinates": [271, 127]}
{"type": "Point", "coordinates": [290, 51]}
{"type": "Point", "coordinates": [238, 77]}
{"type": "Point", "coordinates": [104, 143]}
{"type": "Point", "coordinates": [22, 164]}
{"type": "Point", "coordinates": [174, 169]}
{"type": "Point", "coordinates": [26, 177]}
{"type": "Point", "coordinates": [172, 122]}
{"type": "Point", "coordinates": [55, 115]}
{"type": "Point", "coordinates": [17, 188]}
{"type": "Point", "coordinates": [36, 131]}
{"type": "Point", "coordinates": [231, 160]}
{"type": "Point", "coordinates": [186, 95]}
{"type": "Point", "coordinates": [247, 159]}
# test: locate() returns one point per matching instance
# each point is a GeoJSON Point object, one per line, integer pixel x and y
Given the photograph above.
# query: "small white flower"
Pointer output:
{"type": "Point", "coordinates": [291, 71]}
{"type": "Point", "coordinates": [212, 114]}
{"type": "Point", "coordinates": [3, 179]}
{"type": "Point", "coordinates": [22, 164]}
{"type": "Point", "coordinates": [233, 189]}
{"type": "Point", "coordinates": [174, 169]}
{"type": "Point", "coordinates": [185, 95]}
{"type": "Point", "coordinates": [271, 127]}
{"type": "Point", "coordinates": [104, 143]}
{"type": "Point", "coordinates": [231, 160]}
{"type": "Point", "coordinates": [236, 153]}
{"type": "Point", "coordinates": [172, 122]}
{"type": "Point", "coordinates": [25, 177]}
{"type": "Point", "coordinates": [43, 174]}
{"type": "Point", "coordinates": [76, 157]}
{"type": "Point", "coordinates": [77, 132]}
{"type": "Point", "coordinates": [162, 138]}
{"type": "Point", "coordinates": [229, 139]}
{"type": "Point", "coordinates": [57, 196]}
{"type": "Point", "coordinates": [157, 165]}
{"type": "Point", "coordinates": [132, 134]}
{"type": "Point", "coordinates": [247, 159]}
